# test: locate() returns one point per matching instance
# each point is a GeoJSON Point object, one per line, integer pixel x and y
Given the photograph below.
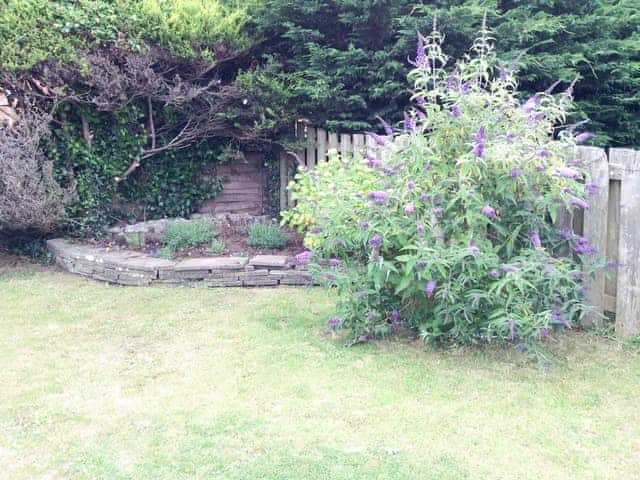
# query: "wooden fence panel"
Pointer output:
{"type": "Point", "coordinates": [333, 141]}
{"type": "Point", "coordinates": [628, 293]}
{"type": "Point", "coordinates": [345, 144]}
{"type": "Point", "coordinates": [594, 224]}
{"type": "Point", "coordinates": [358, 144]}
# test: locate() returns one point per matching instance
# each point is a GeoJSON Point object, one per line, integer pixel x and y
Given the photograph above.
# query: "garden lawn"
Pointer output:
{"type": "Point", "coordinates": [109, 382]}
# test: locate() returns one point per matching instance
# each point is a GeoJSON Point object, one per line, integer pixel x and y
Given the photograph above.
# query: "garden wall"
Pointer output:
{"type": "Point", "coordinates": [611, 225]}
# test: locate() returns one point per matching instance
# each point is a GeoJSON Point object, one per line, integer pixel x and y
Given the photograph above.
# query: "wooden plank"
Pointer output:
{"type": "Point", "coordinates": [628, 295]}
{"type": "Point", "coordinates": [595, 226]}
{"type": "Point", "coordinates": [333, 141]}
{"type": "Point", "coordinates": [321, 142]}
{"type": "Point", "coordinates": [309, 157]}
{"type": "Point", "coordinates": [613, 231]}
{"type": "Point", "coordinates": [284, 179]}
{"type": "Point", "coordinates": [358, 144]}
{"type": "Point", "coordinates": [615, 171]}
{"type": "Point", "coordinates": [345, 146]}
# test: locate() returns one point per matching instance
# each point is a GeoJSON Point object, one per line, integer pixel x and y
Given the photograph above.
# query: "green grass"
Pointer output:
{"type": "Point", "coordinates": [109, 382]}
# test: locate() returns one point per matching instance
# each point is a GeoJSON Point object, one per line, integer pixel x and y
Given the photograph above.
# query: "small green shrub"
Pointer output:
{"type": "Point", "coordinates": [266, 235]}
{"type": "Point", "coordinates": [182, 234]}
{"type": "Point", "coordinates": [165, 252]}
{"type": "Point", "coordinates": [217, 247]}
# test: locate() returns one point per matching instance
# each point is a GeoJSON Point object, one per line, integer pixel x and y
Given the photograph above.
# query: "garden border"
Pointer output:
{"type": "Point", "coordinates": [136, 269]}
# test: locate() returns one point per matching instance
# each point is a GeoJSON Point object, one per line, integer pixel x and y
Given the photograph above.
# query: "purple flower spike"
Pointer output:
{"type": "Point", "coordinates": [566, 172]}
{"type": "Point", "coordinates": [578, 202]}
{"type": "Point", "coordinates": [424, 197]}
{"type": "Point", "coordinates": [488, 211]}
{"type": "Point", "coordinates": [411, 185]}
{"type": "Point", "coordinates": [481, 135]}
{"type": "Point", "coordinates": [438, 212]}
{"type": "Point", "coordinates": [531, 104]}
{"type": "Point", "coordinates": [408, 210]}
{"type": "Point", "coordinates": [334, 262]}
{"type": "Point", "coordinates": [387, 128]}
{"type": "Point", "coordinates": [543, 153]}
{"type": "Point", "coordinates": [376, 240]}
{"type": "Point", "coordinates": [591, 188]}
{"type": "Point", "coordinates": [534, 236]}
{"type": "Point", "coordinates": [302, 258]}
{"type": "Point", "coordinates": [478, 150]}
{"type": "Point", "coordinates": [373, 162]}
{"type": "Point", "coordinates": [420, 114]}
{"type": "Point", "coordinates": [395, 315]}
{"type": "Point", "coordinates": [365, 225]}
{"type": "Point", "coordinates": [420, 265]}
{"type": "Point", "coordinates": [465, 87]}
{"type": "Point", "coordinates": [494, 273]}
{"type": "Point", "coordinates": [420, 55]}
{"type": "Point", "coordinates": [409, 124]}
{"type": "Point", "coordinates": [370, 315]}
{"type": "Point", "coordinates": [581, 245]}
{"type": "Point", "coordinates": [421, 101]}
{"type": "Point", "coordinates": [583, 137]}
{"type": "Point", "coordinates": [379, 197]}
{"type": "Point", "coordinates": [334, 322]}
{"type": "Point", "coordinates": [420, 228]}
{"type": "Point", "coordinates": [316, 230]}
{"type": "Point", "coordinates": [430, 288]}
{"type": "Point", "coordinates": [515, 173]}
{"type": "Point", "coordinates": [380, 140]}
{"type": "Point", "coordinates": [456, 112]}
{"type": "Point", "coordinates": [566, 234]}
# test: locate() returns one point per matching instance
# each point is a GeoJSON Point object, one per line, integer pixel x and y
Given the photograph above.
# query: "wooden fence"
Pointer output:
{"type": "Point", "coordinates": [611, 224]}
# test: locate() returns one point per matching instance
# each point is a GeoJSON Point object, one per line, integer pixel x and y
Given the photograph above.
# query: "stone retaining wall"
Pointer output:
{"type": "Point", "coordinates": [133, 268]}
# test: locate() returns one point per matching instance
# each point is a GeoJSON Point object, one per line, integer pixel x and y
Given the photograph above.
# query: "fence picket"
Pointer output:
{"type": "Point", "coordinates": [345, 145]}
{"type": "Point", "coordinates": [628, 294]}
{"type": "Point", "coordinates": [358, 144]}
{"type": "Point", "coordinates": [594, 225]}
{"type": "Point", "coordinates": [321, 143]}
{"type": "Point", "coordinates": [333, 141]}
{"type": "Point", "coordinates": [310, 156]}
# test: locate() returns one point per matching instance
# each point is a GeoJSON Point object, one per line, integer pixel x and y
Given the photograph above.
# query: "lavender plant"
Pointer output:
{"type": "Point", "coordinates": [450, 230]}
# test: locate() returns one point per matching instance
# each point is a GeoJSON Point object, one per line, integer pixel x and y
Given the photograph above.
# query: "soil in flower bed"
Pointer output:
{"type": "Point", "coordinates": [233, 236]}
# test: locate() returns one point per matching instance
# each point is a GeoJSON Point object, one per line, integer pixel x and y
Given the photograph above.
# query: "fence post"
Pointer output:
{"type": "Point", "coordinates": [595, 226]}
{"type": "Point", "coordinates": [284, 178]}
{"type": "Point", "coordinates": [628, 295]}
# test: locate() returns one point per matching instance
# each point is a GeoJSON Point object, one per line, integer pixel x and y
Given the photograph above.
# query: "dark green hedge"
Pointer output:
{"type": "Point", "coordinates": [349, 57]}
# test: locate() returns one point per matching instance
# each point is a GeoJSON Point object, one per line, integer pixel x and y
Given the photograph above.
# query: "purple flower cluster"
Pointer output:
{"type": "Point", "coordinates": [488, 211]}
{"type": "Point", "coordinates": [375, 241]}
{"type": "Point", "coordinates": [456, 112]}
{"type": "Point", "coordinates": [581, 245]}
{"type": "Point", "coordinates": [515, 173]}
{"type": "Point", "coordinates": [430, 288]}
{"type": "Point", "coordinates": [334, 262]}
{"type": "Point", "coordinates": [420, 228]}
{"type": "Point", "coordinates": [334, 322]}
{"type": "Point", "coordinates": [409, 124]}
{"type": "Point", "coordinates": [567, 172]}
{"type": "Point", "coordinates": [534, 236]}
{"type": "Point", "coordinates": [302, 258]}
{"type": "Point", "coordinates": [409, 208]}
{"type": "Point", "coordinates": [480, 140]}
{"type": "Point", "coordinates": [379, 196]}
{"type": "Point", "coordinates": [583, 137]}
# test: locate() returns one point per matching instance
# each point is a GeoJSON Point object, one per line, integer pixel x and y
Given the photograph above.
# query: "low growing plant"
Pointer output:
{"type": "Point", "coordinates": [217, 247]}
{"type": "Point", "coordinates": [452, 232]}
{"type": "Point", "coordinates": [181, 234]}
{"type": "Point", "coordinates": [267, 235]}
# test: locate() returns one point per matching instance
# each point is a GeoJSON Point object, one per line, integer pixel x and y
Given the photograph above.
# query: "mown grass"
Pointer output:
{"type": "Point", "coordinates": [109, 382]}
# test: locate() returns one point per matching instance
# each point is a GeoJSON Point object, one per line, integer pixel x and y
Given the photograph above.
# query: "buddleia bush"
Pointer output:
{"type": "Point", "coordinates": [449, 229]}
